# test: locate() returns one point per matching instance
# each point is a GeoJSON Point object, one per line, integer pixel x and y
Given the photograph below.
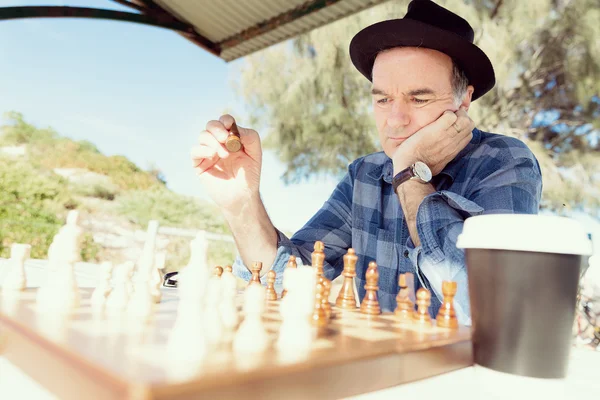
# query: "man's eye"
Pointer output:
{"type": "Point", "coordinates": [382, 101]}
{"type": "Point", "coordinates": [420, 101]}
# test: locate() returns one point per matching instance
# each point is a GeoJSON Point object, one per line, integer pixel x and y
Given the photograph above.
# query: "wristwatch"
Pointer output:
{"type": "Point", "coordinates": [418, 171]}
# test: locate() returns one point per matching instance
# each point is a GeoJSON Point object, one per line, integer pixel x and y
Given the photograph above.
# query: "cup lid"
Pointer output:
{"type": "Point", "coordinates": [525, 232]}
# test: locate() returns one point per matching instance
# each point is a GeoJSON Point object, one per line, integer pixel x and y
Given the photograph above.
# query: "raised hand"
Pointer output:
{"type": "Point", "coordinates": [436, 144]}
{"type": "Point", "coordinates": [229, 178]}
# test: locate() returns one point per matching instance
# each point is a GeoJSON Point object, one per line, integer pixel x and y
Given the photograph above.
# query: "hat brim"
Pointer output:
{"type": "Point", "coordinates": [367, 43]}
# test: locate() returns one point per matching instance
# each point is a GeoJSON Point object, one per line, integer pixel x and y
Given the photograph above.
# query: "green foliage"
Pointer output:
{"type": "Point", "coordinates": [316, 111]}
{"type": "Point", "coordinates": [32, 209]}
{"type": "Point", "coordinates": [96, 190]}
{"type": "Point", "coordinates": [90, 250]}
{"type": "Point", "coordinates": [170, 209]}
{"type": "Point", "coordinates": [47, 150]}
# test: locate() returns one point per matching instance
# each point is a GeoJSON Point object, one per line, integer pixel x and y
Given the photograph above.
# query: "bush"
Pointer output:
{"type": "Point", "coordinates": [48, 150]}
{"type": "Point", "coordinates": [96, 188]}
{"type": "Point", "coordinates": [170, 209]}
{"type": "Point", "coordinates": [33, 207]}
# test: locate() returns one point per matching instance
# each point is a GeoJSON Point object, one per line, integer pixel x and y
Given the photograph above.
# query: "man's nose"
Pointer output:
{"type": "Point", "coordinates": [399, 115]}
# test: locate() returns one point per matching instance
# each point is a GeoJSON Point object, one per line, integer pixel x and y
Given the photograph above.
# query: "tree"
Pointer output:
{"type": "Point", "coordinates": [315, 107]}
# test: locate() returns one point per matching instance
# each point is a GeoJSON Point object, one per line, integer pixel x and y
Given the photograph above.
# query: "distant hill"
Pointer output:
{"type": "Point", "coordinates": [43, 175]}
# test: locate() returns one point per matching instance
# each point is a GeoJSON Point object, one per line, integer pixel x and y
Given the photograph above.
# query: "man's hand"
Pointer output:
{"type": "Point", "coordinates": [230, 179]}
{"type": "Point", "coordinates": [437, 143]}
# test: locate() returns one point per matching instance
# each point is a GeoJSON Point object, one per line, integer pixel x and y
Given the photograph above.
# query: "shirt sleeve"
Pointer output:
{"type": "Point", "coordinates": [514, 188]}
{"type": "Point", "coordinates": [331, 225]}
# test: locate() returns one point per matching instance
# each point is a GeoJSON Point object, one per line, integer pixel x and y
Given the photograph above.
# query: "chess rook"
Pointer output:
{"type": "Point", "coordinates": [271, 293]}
{"type": "Point", "coordinates": [404, 306]}
{"type": "Point", "coordinates": [447, 314]}
{"type": "Point", "coordinates": [347, 297]}
{"type": "Point", "coordinates": [370, 303]}
{"type": "Point", "coordinates": [256, 267]}
{"type": "Point", "coordinates": [421, 315]}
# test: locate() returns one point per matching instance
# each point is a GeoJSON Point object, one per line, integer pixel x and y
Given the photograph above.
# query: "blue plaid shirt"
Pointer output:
{"type": "Point", "coordinates": [492, 174]}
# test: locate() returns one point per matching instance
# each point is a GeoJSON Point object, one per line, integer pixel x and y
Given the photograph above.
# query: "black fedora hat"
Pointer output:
{"type": "Point", "coordinates": [428, 25]}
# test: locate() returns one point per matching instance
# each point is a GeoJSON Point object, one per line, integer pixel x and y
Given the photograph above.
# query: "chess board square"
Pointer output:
{"type": "Point", "coordinates": [369, 334]}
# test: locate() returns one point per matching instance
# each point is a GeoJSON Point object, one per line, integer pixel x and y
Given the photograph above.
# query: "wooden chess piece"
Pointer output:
{"type": "Point", "coordinates": [256, 267]}
{"type": "Point", "coordinates": [218, 271]}
{"type": "Point", "coordinates": [370, 303]}
{"type": "Point", "coordinates": [404, 307]}
{"type": "Point", "coordinates": [347, 297]}
{"type": "Point", "coordinates": [229, 268]}
{"type": "Point", "coordinates": [421, 315]}
{"type": "Point", "coordinates": [271, 293]}
{"type": "Point", "coordinates": [319, 317]}
{"type": "Point", "coordinates": [233, 143]}
{"type": "Point", "coordinates": [318, 258]}
{"type": "Point", "coordinates": [325, 298]}
{"type": "Point", "coordinates": [290, 264]}
{"type": "Point", "coordinates": [447, 314]}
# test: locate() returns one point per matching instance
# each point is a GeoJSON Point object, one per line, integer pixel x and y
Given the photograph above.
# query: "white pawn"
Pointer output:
{"type": "Point", "coordinates": [252, 336]}
{"type": "Point", "coordinates": [119, 296]}
{"type": "Point", "coordinates": [15, 278]}
{"type": "Point", "coordinates": [103, 288]}
{"type": "Point", "coordinates": [212, 316]}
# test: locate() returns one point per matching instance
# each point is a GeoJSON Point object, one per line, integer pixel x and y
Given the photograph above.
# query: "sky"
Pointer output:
{"type": "Point", "coordinates": [134, 90]}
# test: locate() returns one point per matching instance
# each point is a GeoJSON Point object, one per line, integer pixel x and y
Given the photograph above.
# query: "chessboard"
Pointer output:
{"type": "Point", "coordinates": [102, 357]}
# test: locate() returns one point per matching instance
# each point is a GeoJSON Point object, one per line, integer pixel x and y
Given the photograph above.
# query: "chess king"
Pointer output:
{"type": "Point", "coordinates": [402, 207]}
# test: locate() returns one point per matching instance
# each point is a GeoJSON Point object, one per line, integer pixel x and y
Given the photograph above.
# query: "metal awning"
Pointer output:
{"type": "Point", "coordinates": [229, 29]}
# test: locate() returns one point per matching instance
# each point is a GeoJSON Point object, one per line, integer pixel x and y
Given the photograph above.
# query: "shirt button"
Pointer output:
{"type": "Point", "coordinates": [406, 253]}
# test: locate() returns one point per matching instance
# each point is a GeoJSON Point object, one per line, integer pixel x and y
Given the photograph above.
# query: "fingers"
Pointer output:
{"type": "Point", "coordinates": [203, 158]}
{"type": "Point", "coordinates": [218, 130]}
{"type": "Point", "coordinates": [227, 121]}
{"type": "Point", "coordinates": [209, 139]}
{"type": "Point", "coordinates": [447, 119]}
{"type": "Point", "coordinates": [251, 142]}
{"type": "Point", "coordinates": [464, 124]}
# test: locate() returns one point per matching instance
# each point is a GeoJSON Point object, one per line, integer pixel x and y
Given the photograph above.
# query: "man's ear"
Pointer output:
{"type": "Point", "coordinates": [466, 102]}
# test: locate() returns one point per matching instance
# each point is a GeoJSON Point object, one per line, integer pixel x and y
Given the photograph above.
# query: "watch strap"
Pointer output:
{"type": "Point", "coordinates": [401, 177]}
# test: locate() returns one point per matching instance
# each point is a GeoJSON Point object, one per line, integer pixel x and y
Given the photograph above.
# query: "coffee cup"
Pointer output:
{"type": "Point", "coordinates": [523, 278]}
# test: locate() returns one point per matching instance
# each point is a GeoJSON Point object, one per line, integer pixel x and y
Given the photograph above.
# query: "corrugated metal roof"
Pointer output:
{"type": "Point", "coordinates": [240, 27]}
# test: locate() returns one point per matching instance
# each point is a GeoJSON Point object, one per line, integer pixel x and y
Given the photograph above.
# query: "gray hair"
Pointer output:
{"type": "Point", "coordinates": [459, 82]}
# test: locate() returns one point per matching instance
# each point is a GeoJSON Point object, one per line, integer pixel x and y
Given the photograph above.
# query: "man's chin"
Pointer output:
{"type": "Point", "coordinates": [391, 147]}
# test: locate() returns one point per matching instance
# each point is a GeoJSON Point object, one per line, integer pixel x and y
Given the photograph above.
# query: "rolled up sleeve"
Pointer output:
{"type": "Point", "coordinates": [514, 188]}
{"type": "Point", "coordinates": [331, 225]}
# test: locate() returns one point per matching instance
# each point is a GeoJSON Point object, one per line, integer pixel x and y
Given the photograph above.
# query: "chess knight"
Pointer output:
{"type": "Point", "coordinates": [404, 206]}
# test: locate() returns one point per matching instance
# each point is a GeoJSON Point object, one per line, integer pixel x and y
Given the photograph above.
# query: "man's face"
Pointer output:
{"type": "Point", "coordinates": [412, 87]}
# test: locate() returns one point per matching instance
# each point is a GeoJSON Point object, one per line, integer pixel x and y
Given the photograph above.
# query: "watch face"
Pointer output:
{"type": "Point", "coordinates": [422, 171]}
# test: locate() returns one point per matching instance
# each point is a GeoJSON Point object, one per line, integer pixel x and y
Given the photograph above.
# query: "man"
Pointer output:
{"type": "Point", "coordinates": [403, 207]}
